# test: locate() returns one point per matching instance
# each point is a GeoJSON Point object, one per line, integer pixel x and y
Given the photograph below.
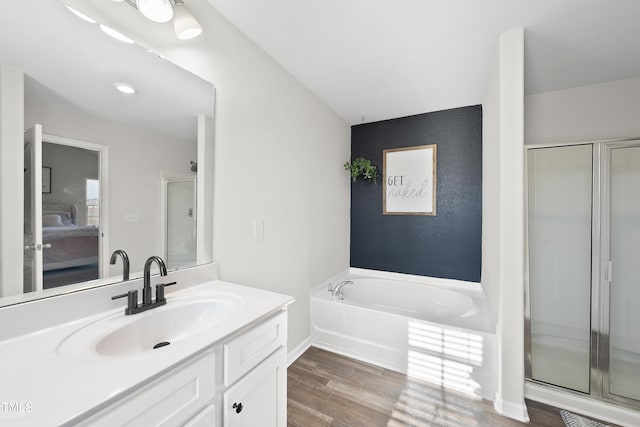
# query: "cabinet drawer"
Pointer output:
{"type": "Point", "coordinates": [249, 349]}
{"type": "Point", "coordinates": [168, 401]}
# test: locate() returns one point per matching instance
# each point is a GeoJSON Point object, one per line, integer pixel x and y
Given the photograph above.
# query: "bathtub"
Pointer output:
{"type": "Point", "coordinates": [434, 330]}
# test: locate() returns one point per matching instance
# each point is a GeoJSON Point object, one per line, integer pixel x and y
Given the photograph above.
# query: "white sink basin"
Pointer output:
{"type": "Point", "coordinates": [123, 336]}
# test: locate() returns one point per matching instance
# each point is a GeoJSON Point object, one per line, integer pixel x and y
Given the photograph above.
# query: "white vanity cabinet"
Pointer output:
{"type": "Point", "coordinates": [241, 381]}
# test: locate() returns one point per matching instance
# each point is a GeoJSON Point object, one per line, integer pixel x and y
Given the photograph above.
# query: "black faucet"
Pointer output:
{"type": "Point", "coordinates": [147, 302]}
{"type": "Point", "coordinates": [146, 290]}
{"type": "Point", "coordinates": [125, 262]}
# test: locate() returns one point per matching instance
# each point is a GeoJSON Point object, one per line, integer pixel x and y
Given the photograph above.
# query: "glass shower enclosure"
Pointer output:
{"type": "Point", "coordinates": [583, 242]}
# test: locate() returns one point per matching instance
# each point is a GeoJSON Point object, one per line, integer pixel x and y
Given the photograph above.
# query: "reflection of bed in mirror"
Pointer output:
{"type": "Point", "coordinates": [73, 254]}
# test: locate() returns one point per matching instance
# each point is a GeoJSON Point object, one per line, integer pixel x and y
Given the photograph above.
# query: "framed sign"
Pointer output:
{"type": "Point", "coordinates": [410, 181]}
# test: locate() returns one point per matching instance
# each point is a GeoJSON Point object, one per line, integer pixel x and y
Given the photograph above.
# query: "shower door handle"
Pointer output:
{"type": "Point", "coordinates": [608, 271]}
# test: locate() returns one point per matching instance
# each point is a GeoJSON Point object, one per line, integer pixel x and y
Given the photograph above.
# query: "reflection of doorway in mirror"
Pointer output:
{"type": "Point", "coordinates": [180, 221]}
{"type": "Point", "coordinates": [71, 220]}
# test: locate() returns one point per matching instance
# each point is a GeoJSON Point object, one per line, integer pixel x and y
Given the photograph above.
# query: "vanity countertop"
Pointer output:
{"type": "Point", "coordinates": [40, 388]}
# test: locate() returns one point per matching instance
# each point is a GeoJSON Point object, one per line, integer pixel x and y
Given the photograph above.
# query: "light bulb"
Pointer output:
{"type": "Point", "coordinates": [156, 10]}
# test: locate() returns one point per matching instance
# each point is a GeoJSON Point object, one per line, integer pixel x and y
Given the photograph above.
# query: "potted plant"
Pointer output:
{"type": "Point", "coordinates": [361, 167]}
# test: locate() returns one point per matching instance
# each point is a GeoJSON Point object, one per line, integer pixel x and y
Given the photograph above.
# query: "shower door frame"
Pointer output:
{"type": "Point", "coordinates": [605, 278]}
{"type": "Point", "coordinates": [600, 274]}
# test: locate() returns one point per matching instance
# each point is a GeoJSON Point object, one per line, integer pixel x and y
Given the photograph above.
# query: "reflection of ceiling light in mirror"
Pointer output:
{"type": "Point", "coordinates": [125, 88]}
{"type": "Point", "coordinates": [184, 23]}
{"type": "Point", "coordinates": [156, 10]}
{"type": "Point", "coordinates": [116, 35]}
{"type": "Point", "coordinates": [81, 15]}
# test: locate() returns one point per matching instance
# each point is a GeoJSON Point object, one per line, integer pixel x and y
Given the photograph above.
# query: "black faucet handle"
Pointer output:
{"type": "Point", "coordinates": [160, 290]}
{"type": "Point", "coordinates": [126, 294]}
{"type": "Point", "coordinates": [132, 300]}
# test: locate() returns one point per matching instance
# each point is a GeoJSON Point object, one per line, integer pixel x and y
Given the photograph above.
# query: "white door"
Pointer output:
{"type": "Point", "coordinates": [32, 278]}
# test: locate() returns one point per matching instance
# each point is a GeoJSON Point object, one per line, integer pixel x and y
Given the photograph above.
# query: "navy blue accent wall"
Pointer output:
{"type": "Point", "coordinates": [448, 245]}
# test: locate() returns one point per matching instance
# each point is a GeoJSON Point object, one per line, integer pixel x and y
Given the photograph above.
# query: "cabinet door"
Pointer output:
{"type": "Point", "coordinates": [260, 398]}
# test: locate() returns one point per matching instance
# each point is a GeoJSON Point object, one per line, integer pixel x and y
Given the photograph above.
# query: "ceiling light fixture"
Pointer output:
{"type": "Point", "coordinates": [125, 88]}
{"type": "Point", "coordinates": [116, 35]}
{"type": "Point", "coordinates": [184, 24]}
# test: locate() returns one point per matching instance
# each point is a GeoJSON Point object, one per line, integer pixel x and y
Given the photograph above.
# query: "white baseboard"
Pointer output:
{"type": "Point", "coordinates": [358, 356]}
{"type": "Point", "coordinates": [517, 411]}
{"type": "Point", "coordinates": [582, 405]}
{"type": "Point", "coordinates": [298, 350]}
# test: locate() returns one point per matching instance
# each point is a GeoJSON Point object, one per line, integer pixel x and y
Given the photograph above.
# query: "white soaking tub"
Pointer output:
{"type": "Point", "coordinates": [436, 330]}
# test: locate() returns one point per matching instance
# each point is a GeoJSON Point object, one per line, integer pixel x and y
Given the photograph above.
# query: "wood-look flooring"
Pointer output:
{"type": "Point", "coordinates": [327, 389]}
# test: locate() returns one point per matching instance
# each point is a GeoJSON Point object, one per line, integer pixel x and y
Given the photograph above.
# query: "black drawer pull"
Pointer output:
{"type": "Point", "coordinates": [237, 407]}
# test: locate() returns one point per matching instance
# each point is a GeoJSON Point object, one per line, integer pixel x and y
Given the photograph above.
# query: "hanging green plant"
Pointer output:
{"type": "Point", "coordinates": [361, 167]}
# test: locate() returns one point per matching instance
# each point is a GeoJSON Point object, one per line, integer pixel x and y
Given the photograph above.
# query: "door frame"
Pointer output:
{"type": "Point", "coordinates": [169, 177]}
{"type": "Point", "coordinates": [33, 142]}
{"type": "Point", "coordinates": [605, 278]}
{"type": "Point", "coordinates": [103, 177]}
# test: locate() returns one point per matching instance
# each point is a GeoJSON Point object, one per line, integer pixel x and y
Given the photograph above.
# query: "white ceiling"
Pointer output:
{"type": "Point", "coordinates": [390, 58]}
{"type": "Point", "coordinates": [76, 61]}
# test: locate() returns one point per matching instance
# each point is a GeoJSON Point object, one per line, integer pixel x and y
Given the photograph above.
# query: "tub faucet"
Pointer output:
{"type": "Point", "coordinates": [337, 290]}
{"type": "Point", "coordinates": [125, 262]}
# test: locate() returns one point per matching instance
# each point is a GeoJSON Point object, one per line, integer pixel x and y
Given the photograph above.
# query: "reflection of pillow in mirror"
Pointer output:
{"type": "Point", "coordinates": [65, 217]}
{"type": "Point", "coordinates": [51, 221]}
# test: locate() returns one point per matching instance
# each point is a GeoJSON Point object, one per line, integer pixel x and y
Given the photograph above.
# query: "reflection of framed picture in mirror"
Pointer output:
{"type": "Point", "coordinates": [46, 180]}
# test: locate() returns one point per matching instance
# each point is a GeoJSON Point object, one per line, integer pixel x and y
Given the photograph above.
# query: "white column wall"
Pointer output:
{"type": "Point", "coordinates": [503, 218]}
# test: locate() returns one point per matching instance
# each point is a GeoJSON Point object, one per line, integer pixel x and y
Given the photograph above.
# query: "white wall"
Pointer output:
{"type": "Point", "coordinates": [136, 159]}
{"type": "Point", "coordinates": [11, 166]}
{"type": "Point", "coordinates": [279, 156]}
{"type": "Point", "coordinates": [602, 111]}
{"type": "Point", "coordinates": [503, 229]}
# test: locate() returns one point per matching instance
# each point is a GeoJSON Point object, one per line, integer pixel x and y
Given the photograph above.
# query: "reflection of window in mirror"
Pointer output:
{"type": "Point", "coordinates": [93, 202]}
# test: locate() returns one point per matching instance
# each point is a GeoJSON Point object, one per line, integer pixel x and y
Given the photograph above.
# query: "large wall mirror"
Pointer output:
{"type": "Point", "coordinates": [103, 170]}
